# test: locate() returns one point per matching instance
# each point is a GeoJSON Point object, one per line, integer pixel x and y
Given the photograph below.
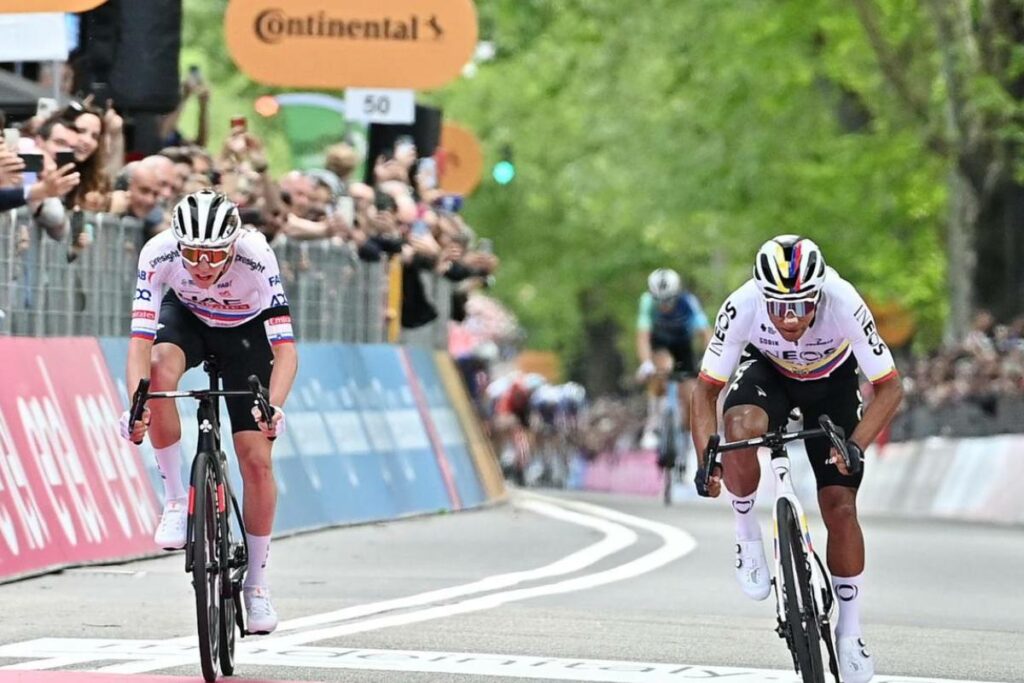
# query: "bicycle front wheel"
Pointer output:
{"type": "Point", "coordinates": [205, 563]}
{"type": "Point", "coordinates": [802, 631]}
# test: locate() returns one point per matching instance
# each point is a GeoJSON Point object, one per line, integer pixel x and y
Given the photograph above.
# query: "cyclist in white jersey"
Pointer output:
{"type": "Point", "coordinates": [223, 299]}
{"type": "Point", "coordinates": [795, 335]}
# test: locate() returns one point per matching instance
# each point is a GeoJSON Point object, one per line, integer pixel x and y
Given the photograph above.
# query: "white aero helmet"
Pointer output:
{"type": "Point", "coordinates": [206, 220]}
{"type": "Point", "coordinates": [789, 268]}
{"type": "Point", "coordinates": [664, 284]}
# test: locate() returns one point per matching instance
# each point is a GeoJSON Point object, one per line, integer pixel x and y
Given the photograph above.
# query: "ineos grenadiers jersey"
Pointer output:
{"type": "Point", "coordinates": [842, 325]}
{"type": "Point", "coordinates": [249, 288]}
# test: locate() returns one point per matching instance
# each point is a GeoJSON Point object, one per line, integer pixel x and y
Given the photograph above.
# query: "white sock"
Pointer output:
{"type": "Point", "coordinates": [259, 558]}
{"type": "Point", "coordinates": [168, 461]}
{"type": "Point", "coordinates": [747, 527]}
{"type": "Point", "coordinates": [847, 591]}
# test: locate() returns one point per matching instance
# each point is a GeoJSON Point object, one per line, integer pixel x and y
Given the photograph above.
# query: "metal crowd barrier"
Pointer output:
{"type": "Point", "coordinates": [966, 418]}
{"type": "Point", "coordinates": [47, 289]}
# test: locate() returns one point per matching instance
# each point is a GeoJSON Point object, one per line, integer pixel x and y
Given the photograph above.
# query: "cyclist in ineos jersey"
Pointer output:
{"type": "Point", "coordinates": [803, 332]}
{"type": "Point", "coordinates": [224, 300]}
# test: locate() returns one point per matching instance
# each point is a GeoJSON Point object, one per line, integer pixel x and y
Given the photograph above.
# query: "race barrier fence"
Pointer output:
{"type": "Point", "coordinates": [972, 479]}
{"type": "Point", "coordinates": [374, 433]}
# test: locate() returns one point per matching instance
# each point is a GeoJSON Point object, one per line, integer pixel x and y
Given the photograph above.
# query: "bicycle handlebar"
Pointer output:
{"type": "Point", "coordinates": [779, 438]}
{"type": "Point", "coordinates": [143, 394]}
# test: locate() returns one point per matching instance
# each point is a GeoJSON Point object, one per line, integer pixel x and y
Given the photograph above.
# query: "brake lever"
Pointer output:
{"type": "Point", "coordinates": [266, 410]}
{"type": "Point", "coordinates": [711, 457]}
{"type": "Point", "coordinates": [837, 435]}
{"type": "Point", "coordinates": [138, 405]}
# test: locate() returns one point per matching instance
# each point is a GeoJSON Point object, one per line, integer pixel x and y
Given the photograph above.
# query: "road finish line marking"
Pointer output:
{"type": "Point", "coordinates": [408, 661]}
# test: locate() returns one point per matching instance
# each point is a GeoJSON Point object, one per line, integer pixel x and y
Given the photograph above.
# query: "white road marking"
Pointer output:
{"type": "Point", "coordinates": [407, 661]}
{"type": "Point", "coordinates": [677, 543]}
{"type": "Point", "coordinates": [616, 538]}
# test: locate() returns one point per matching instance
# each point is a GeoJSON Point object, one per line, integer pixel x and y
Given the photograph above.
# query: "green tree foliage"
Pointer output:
{"type": "Point", "coordinates": [685, 134]}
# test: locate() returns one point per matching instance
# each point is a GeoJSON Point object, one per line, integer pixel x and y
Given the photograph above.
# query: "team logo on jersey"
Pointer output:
{"type": "Point", "coordinates": [279, 300]}
{"type": "Point", "coordinates": [253, 264]}
{"type": "Point", "coordinates": [145, 315]}
{"type": "Point", "coordinates": [165, 257]}
{"type": "Point", "coordinates": [274, 280]}
{"type": "Point", "coordinates": [725, 316]}
{"type": "Point", "coordinates": [767, 342]}
{"type": "Point", "coordinates": [143, 295]}
{"type": "Point", "coordinates": [867, 323]}
{"type": "Point", "coordinates": [224, 285]}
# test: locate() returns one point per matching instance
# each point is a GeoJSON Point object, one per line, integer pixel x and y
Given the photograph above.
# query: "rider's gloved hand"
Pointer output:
{"type": "Point", "coordinates": [277, 423]}
{"type": "Point", "coordinates": [136, 432]}
{"type": "Point", "coordinates": [707, 488]}
{"type": "Point", "coordinates": [645, 370]}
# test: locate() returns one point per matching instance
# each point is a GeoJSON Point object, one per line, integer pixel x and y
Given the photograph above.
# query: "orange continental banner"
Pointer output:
{"type": "Point", "coordinates": [411, 44]}
{"type": "Point", "coordinates": [48, 5]}
{"type": "Point", "coordinates": [463, 160]}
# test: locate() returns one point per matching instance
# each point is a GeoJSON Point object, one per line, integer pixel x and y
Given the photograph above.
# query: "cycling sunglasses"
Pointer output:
{"type": "Point", "coordinates": [800, 309]}
{"type": "Point", "coordinates": [214, 257]}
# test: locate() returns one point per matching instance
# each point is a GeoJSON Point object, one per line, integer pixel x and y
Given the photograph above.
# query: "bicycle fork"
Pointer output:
{"type": "Point", "coordinates": [820, 583]}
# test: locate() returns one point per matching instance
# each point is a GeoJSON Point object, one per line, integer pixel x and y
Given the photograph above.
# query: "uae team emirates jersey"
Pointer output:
{"type": "Point", "coordinates": [842, 325]}
{"type": "Point", "coordinates": [249, 289]}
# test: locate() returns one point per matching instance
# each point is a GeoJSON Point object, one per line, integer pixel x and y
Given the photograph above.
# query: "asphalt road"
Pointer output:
{"type": "Point", "coordinates": [613, 589]}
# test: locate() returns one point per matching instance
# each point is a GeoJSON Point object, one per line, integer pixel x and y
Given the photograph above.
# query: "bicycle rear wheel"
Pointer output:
{"type": "Point", "coordinates": [801, 610]}
{"type": "Point", "coordinates": [205, 564]}
{"type": "Point", "coordinates": [667, 451]}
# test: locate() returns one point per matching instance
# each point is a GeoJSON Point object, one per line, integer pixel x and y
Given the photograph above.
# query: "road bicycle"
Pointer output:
{"type": "Point", "coordinates": [672, 442]}
{"type": "Point", "coordinates": [803, 589]}
{"type": "Point", "coordinates": [213, 556]}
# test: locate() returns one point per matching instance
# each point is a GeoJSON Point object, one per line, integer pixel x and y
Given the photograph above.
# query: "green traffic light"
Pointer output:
{"type": "Point", "coordinates": [504, 172]}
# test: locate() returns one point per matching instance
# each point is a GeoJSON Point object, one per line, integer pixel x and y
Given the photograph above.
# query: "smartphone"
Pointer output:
{"type": "Point", "coordinates": [12, 137]}
{"type": "Point", "coordinates": [420, 228]}
{"type": "Point", "coordinates": [195, 77]}
{"type": "Point", "coordinates": [239, 124]}
{"type": "Point", "coordinates": [486, 246]}
{"type": "Point", "coordinates": [64, 158]}
{"type": "Point", "coordinates": [428, 169]}
{"type": "Point", "coordinates": [46, 107]}
{"type": "Point", "coordinates": [33, 162]}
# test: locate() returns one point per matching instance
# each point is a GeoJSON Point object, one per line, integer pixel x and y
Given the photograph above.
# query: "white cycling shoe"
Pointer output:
{"type": "Point", "coordinates": [170, 533]}
{"type": "Point", "coordinates": [752, 569]}
{"type": "Point", "coordinates": [260, 617]}
{"type": "Point", "coordinates": [856, 665]}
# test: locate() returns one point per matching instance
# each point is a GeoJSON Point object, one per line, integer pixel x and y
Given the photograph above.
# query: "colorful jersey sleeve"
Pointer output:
{"type": "Point", "coordinates": [873, 355]}
{"type": "Point", "coordinates": [645, 318]}
{"type": "Point", "coordinates": [731, 335]}
{"type": "Point", "coordinates": [277, 317]}
{"type": "Point", "coordinates": [698, 321]}
{"type": "Point", "coordinates": [148, 293]}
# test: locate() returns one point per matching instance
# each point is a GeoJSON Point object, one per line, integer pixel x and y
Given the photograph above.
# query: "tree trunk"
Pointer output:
{"type": "Point", "coordinates": [603, 366]}
{"type": "Point", "coordinates": [961, 255]}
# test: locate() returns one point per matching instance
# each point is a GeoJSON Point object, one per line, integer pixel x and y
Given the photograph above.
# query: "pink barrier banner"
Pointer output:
{"type": "Point", "coordinates": [629, 472]}
{"type": "Point", "coordinates": [71, 490]}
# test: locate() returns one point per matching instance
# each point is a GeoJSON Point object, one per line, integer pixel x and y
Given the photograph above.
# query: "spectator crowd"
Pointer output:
{"type": "Point", "coordinates": [983, 370]}
{"type": "Point", "coordinates": [402, 212]}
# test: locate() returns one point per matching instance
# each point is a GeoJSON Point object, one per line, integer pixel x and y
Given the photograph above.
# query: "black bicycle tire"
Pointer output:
{"type": "Point", "coordinates": [209, 628]}
{"type": "Point", "coordinates": [668, 452]}
{"type": "Point", "coordinates": [804, 635]}
{"type": "Point", "coordinates": [228, 603]}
